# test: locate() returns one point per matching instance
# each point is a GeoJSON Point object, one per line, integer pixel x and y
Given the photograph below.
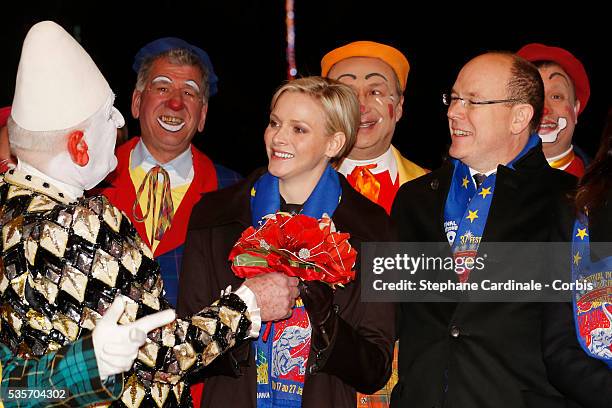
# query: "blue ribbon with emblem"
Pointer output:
{"type": "Point", "coordinates": [592, 308]}
{"type": "Point", "coordinates": [281, 360]}
{"type": "Point", "coordinates": [466, 210]}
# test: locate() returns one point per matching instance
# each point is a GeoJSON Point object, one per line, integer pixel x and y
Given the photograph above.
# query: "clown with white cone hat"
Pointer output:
{"type": "Point", "coordinates": [63, 123]}
{"type": "Point", "coordinates": [62, 129]}
{"type": "Point", "coordinates": [72, 265]}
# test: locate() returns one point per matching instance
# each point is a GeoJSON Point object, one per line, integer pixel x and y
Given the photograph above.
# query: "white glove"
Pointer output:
{"type": "Point", "coordinates": [116, 346]}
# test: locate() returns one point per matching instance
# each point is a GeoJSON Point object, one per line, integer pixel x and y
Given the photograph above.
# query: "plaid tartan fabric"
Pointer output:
{"type": "Point", "coordinates": [170, 265]}
{"type": "Point", "coordinates": [72, 368]}
{"type": "Point", "coordinates": [166, 209]}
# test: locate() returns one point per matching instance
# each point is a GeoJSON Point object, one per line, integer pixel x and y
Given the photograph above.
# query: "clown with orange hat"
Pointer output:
{"type": "Point", "coordinates": [378, 73]}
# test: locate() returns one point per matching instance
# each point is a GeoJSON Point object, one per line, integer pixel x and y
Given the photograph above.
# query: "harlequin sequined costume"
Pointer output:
{"type": "Point", "coordinates": [61, 266]}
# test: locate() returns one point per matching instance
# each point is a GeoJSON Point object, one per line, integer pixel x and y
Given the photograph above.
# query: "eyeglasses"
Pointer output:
{"type": "Point", "coordinates": [466, 103]}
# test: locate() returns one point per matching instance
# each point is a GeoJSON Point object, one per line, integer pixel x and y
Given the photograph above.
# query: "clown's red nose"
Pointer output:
{"type": "Point", "coordinates": [176, 104]}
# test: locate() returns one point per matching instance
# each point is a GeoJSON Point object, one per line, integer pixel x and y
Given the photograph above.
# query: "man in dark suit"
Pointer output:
{"type": "Point", "coordinates": [498, 188]}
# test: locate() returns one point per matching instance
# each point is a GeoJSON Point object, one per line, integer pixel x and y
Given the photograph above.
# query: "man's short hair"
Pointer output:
{"type": "Point", "coordinates": [525, 84]}
{"type": "Point", "coordinates": [178, 56]}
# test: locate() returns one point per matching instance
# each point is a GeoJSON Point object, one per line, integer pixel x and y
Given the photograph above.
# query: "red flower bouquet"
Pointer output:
{"type": "Point", "coordinates": [296, 245]}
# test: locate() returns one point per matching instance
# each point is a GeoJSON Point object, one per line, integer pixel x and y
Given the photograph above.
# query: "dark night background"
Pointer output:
{"type": "Point", "coordinates": [246, 42]}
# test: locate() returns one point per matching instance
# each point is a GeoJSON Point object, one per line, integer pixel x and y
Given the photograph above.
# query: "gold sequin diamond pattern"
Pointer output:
{"type": "Point", "coordinates": [64, 218]}
{"type": "Point", "coordinates": [210, 352]}
{"type": "Point", "coordinates": [73, 282]}
{"type": "Point", "coordinates": [86, 224]}
{"type": "Point", "coordinates": [46, 288]}
{"type": "Point", "coordinates": [146, 251]}
{"type": "Point", "coordinates": [148, 353]}
{"type": "Point", "coordinates": [41, 203]}
{"type": "Point", "coordinates": [133, 392]}
{"type": "Point", "coordinates": [168, 338]}
{"type": "Point", "coordinates": [206, 324]}
{"type": "Point", "coordinates": [65, 325]}
{"type": "Point", "coordinates": [30, 247]}
{"type": "Point", "coordinates": [150, 300]}
{"type": "Point", "coordinates": [230, 317]}
{"type": "Point", "coordinates": [159, 393]}
{"type": "Point", "coordinates": [130, 312]}
{"type": "Point", "coordinates": [11, 317]}
{"type": "Point", "coordinates": [19, 283]}
{"type": "Point", "coordinates": [4, 282]}
{"type": "Point", "coordinates": [112, 216]}
{"type": "Point", "coordinates": [54, 239]}
{"type": "Point", "coordinates": [178, 390]}
{"type": "Point", "coordinates": [131, 258]}
{"type": "Point", "coordinates": [185, 355]}
{"type": "Point", "coordinates": [39, 321]}
{"type": "Point", "coordinates": [89, 318]}
{"type": "Point", "coordinates": [11, 233]}
{"type": "Point", "coordinates": [105, 268]}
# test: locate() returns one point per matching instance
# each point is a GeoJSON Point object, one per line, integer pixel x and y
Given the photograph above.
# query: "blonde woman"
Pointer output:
{"type": "Point", "coordinates": [343, 345]}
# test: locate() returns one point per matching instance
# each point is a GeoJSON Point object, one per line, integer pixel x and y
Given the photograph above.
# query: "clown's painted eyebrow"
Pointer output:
{"type": "Point", "coordinates": [161, 78]}
{"type": "Point", "coordinates": [376, 74]}
{"type": "Point", "coordinates": [193, 84]}
{"type": "Point", "coordinates": [551, 76]}
{"type": "Point", "coordinates": [353, 76]}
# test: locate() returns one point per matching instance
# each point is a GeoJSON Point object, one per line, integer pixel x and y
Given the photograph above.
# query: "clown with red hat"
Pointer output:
{"type": "Point", "coordinates": [567, 91]}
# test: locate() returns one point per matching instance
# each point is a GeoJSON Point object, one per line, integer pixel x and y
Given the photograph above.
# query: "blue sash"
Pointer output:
{"type": "Point", "coordinates": [592, 309]}
{"type": "Point", "coordinates": [466, 210]}
{"type": "Point", "coordinates": [281, 360]}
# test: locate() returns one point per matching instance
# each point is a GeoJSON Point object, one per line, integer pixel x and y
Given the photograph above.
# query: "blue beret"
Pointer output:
{"type": "Point", "coordinates": [162, 45]}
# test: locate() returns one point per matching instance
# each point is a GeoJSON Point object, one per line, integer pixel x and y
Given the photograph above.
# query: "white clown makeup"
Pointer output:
{"type": "Point", "coordinates": [556, 128]}
{"type": "Point", "coordinates": [170, 108]}
{"type": "Point", "coordinates": [560, 111]}
{"type": "Point", "coordinates": [99, 137]}
{"type": "Point", "coordinates": [374, 81]}
{"type": "Point", "coordinates": [164, 86]}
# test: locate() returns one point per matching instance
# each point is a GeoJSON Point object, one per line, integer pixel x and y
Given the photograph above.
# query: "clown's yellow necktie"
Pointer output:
{"type": "Point", "coordinates": [166, 209]}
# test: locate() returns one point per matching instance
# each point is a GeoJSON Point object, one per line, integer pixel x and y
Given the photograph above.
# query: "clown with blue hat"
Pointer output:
{"type": "Point", "coordinates": [160, 175]}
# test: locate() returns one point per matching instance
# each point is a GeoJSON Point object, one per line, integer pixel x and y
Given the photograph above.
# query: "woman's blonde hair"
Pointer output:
{"type": "Point", "coordinates": [339, 103]}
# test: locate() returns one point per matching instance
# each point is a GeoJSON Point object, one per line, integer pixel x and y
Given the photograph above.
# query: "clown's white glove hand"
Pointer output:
{"type": "Point", "coordinates": [116, 346]}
